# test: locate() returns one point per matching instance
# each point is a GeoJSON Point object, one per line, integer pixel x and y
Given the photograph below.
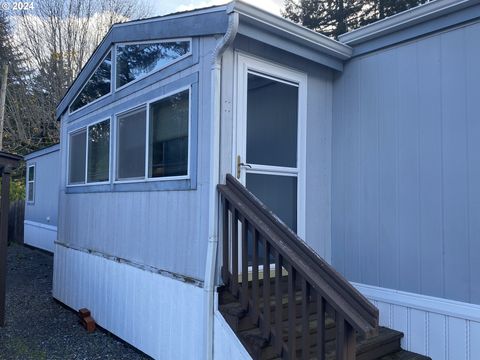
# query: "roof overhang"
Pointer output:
{"type": "Point", "coordinates": [281, 33]}
{"type": "Point", "coordinates": [46, 150]}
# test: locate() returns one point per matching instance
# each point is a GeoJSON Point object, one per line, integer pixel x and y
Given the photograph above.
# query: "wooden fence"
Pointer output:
{"type": "Point", "coordinates": [16, 217]}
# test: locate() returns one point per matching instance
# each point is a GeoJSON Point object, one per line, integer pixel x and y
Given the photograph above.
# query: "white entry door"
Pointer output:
{"type": "Point", "coordinates": [270, 148]}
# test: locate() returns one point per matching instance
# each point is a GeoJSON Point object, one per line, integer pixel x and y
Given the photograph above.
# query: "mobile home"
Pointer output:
{"type": "Point", "coordinates": [41, 199]}
{"type": "Point", "coordinates": [234, 185]}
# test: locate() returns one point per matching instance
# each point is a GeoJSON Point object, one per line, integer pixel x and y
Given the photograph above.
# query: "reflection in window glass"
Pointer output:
{"type": "Point", "coordinates": [137, 60]}
{"type": "Point", "coordinates": [98, 152]}
{"type": "Point", "coordinates": [169, 118]}
{"type": "Point", "coordinates": [131, 144]}
{"type": "Point", "coordinates": [76, 161]}
{"type": "Point", "coordinates": [31, 184]}
{"type": "Point", "coordinates": [97, 86]}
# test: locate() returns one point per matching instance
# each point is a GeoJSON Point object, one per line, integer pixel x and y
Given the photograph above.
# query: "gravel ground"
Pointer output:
{"type": "Point", "coordinates": [38, 327]}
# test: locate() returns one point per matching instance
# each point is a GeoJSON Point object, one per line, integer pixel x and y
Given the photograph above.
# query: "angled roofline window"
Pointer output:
{"type": "Point", "coordinates": [104, 59]}
{"type": "Point", "coordinates": [187, 53]}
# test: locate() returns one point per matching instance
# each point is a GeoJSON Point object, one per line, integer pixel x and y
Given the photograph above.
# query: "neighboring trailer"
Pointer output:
{"type": "Point", "coordinates": [41, 198]}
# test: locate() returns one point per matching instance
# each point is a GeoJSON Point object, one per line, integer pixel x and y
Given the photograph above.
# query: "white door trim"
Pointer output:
{"type": "Point", "coordinates": [247, 63]}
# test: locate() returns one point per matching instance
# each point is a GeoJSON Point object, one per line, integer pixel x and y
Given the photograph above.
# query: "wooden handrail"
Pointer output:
{"type": "Point", "coordinates": [318, 282]}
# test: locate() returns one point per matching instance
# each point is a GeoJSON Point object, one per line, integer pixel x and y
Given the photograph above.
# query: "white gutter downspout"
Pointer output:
{"type": "Point", "coordinates": [211, 261]}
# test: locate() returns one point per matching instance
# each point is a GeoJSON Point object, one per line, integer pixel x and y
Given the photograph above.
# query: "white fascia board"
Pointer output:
{"type": "Point", "coordinates": [416, 15]}
{"type": "Point", "coordinates": [291, 30]}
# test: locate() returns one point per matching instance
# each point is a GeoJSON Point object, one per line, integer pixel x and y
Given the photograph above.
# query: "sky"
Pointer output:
{"type": "Point", "coordinates": [162, 7]}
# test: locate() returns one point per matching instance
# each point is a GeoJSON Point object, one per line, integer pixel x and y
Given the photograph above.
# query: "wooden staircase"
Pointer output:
{"type": "Point", "coordinates": [301, 308]}
{"type": "Point", "coordinates": [384, 345]}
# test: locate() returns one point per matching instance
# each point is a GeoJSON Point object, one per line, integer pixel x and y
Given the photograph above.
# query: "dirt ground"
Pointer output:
{"type": "Point", "coordinates": [38, 327]}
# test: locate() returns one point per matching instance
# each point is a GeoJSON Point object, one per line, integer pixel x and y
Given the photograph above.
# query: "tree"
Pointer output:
{"type": "Point", "coordinates": [53, 42]}
{"type": "Point", "coordinates": [335, 17]}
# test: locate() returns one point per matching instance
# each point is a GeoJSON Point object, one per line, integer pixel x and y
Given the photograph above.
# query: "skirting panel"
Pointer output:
{"type": "Point", "coordinates": [440, 328]}
{"type": "Point", "coordinates": [226, 344]}
{"type": "Point", "coordinates": [160, 316]}
{"type": "Point", "coordinates": [39, 235]}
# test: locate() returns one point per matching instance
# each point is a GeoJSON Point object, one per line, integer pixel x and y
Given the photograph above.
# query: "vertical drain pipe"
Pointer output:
{"type": "Point", "coordinates": [213, 210]}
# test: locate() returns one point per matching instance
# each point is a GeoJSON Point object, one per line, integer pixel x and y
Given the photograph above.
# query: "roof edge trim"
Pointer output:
{"type": "Point", "coordinates": [413, 16]}
{"type": "Point", "coordinates": [313, 38]}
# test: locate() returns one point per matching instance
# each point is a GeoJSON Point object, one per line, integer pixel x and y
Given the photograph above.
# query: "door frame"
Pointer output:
{"type": "Point", "coordinates": [243, 64]}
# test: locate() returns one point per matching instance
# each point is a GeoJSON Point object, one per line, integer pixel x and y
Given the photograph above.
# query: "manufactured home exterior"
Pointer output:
{"type": "Point", "coordinates": [364, 147]}
{"type": "Point", "coordinates": [41, 199]}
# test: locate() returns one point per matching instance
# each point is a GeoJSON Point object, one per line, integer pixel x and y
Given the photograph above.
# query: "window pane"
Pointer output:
{"type": "Point", "coordinates": [77, 158]}
{"type": "Point", "coordinates": [98, 152]}
{"type": "Point", "coordinates": [131, 145]}
{"type": "Point", "coordinates": [271, 122]}
{"type": "Point", "coordinates": [30, 191]}
{"type": "Point", "coordinates": [137, 60]}
{"type": "Point", "coordinates": [97, 86]}
{"type": "Point", "coordinates": [268, 187]}
{"type": "Point", "coordinates": [31, 173]}
{"type": "Point", "coordinates": [168, 155]}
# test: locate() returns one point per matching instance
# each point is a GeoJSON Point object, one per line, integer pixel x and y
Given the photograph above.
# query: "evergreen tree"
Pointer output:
{"type": "Point", "coordinates": [335, 17]}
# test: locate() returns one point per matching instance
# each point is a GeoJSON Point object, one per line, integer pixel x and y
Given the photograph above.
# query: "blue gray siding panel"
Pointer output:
{"type": "Point", "coordinates": [167, 230]}
{"type": "Point", "coordinates": [44, 209]}
{"type": "Point", "coordinates": [406, 201]}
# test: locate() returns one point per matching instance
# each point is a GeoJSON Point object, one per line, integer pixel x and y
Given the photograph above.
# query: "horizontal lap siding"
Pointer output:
{"type": "Point", "coordinates": [406, 174]}
{"type": "Point", "coordinates": [167, 230]}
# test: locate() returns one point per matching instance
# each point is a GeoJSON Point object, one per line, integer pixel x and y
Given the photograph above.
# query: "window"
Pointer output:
{"type": "Point", "coordinates": [76, 160]}
{"type": "Point", "coordinates": [131, 145]}
{"type": "Point", "coordinates": [168, 143]}
{"type": "Point", "coordinates": [137, 60]}
{"type": "Point", "coordinates": [31, 184]}
{"type": "Point", "coordinates": [89, 154]}
{"type": "Point", "coordinates": [97, 86]}
{"type": "Point", "coordinates": [168, 139]}
{"type": "Point", "coordinates": [98, 152]}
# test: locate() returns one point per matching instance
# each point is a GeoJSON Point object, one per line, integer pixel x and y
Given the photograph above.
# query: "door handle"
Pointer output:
{"type": "Point", "coordinates": [240, 164]}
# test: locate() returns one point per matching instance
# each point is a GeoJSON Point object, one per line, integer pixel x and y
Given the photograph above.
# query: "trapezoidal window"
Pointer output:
{"type": "Point", "coordinates": [97, 86]}
{"type": "Point", "coordinates": [135, 61]}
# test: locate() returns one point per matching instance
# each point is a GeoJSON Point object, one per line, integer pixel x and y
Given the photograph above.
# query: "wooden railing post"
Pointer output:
{"type": "Point", "coordinates": [266, 288]}
{"type": "Point", "coordinates": [226, 237]}
{"type": "Point", "coordinates": [234, 279]}
{"type": "Point", "coordinates": [244, 294]}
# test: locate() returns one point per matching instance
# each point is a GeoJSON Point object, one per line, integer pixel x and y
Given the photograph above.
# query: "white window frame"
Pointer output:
{"type": "Point", "coordinates": [70, 112]}
{"type": "Point", "coordinates": [31, 183]}
{"type": "Point", "coordinates": [151, 72]}
{"type": "Point", "coordinates": [87, 129]}
{"type": "Point", "coordinates": [146, 106]}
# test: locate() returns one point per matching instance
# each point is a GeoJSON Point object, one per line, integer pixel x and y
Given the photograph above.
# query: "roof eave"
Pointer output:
{"type": "Point", "coordinates": [292, 30]}
{"type": "Point", "coordinates": [405, 19]}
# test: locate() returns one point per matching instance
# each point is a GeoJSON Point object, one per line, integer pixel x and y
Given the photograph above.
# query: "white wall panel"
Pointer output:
{"type": "Point", "coordinates": [226, 343]}
{"type": "Point", "coordinates": [39, 235]}
{"type": "Point", "coordinates": [160, 316]}
{"type": "Point", "coordinates": [442, 329]}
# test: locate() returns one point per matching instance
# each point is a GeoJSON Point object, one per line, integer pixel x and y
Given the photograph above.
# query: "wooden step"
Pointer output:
{"type": "Point", "coordinates": [404, 355]}
{"type": "Point", "coordinates": [383, 346]}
